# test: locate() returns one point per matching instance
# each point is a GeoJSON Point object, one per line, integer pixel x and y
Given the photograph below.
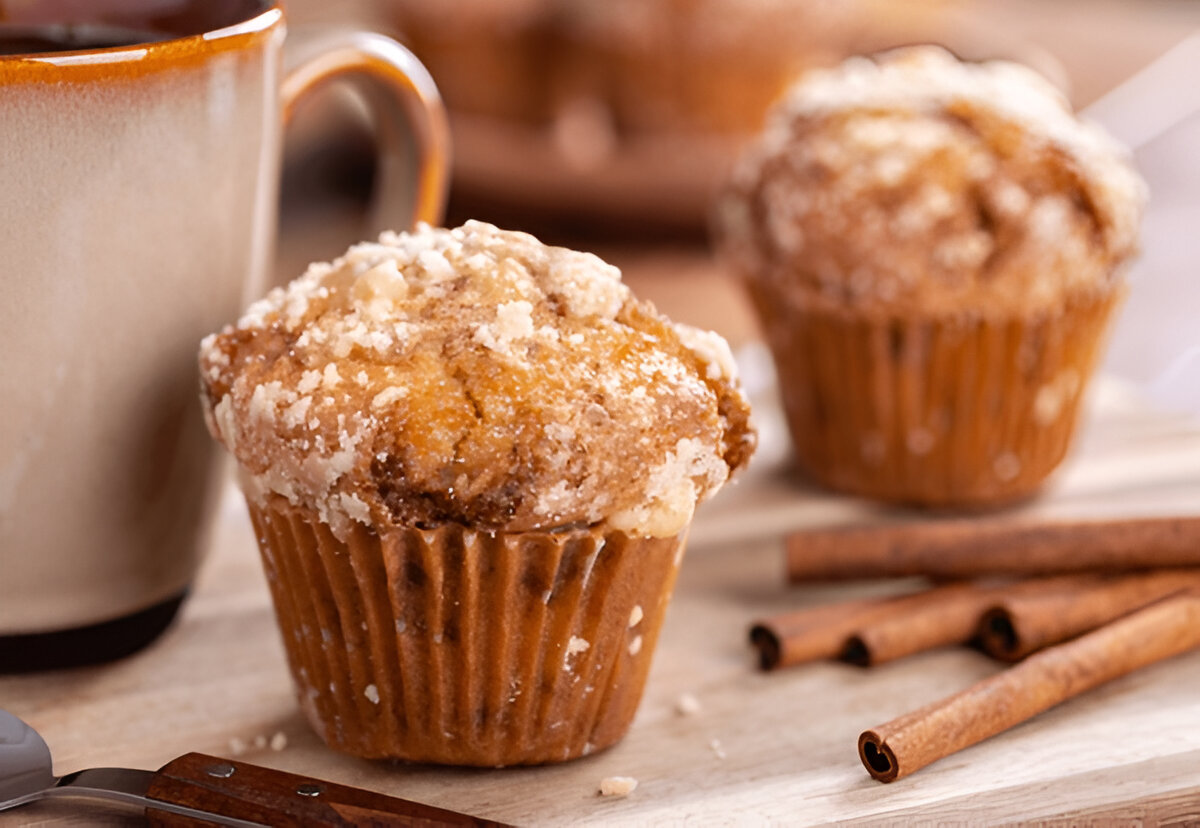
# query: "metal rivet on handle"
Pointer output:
{"type": "Point", "coordinates": [309, 789]}
{"type": "Point", "coordinates": [223, 771]}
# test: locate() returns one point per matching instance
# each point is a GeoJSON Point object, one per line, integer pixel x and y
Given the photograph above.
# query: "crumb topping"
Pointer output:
{"type": "Point", "coordinates": [914, 180]}
{"type": "Point", "coordinates": [474, 376]}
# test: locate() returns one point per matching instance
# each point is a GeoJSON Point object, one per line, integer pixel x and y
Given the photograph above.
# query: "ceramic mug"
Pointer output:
{"type": "Point", "coordinates": [140, 146]}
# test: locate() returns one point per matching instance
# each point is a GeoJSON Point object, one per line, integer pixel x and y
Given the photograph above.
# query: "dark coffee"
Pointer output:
{"type": "Point", "coordinates": [42, 27]}
{"type": "Point", "coordinates": [24, 40]}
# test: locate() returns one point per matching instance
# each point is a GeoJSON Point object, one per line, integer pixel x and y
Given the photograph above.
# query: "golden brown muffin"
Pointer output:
{"type": "Point", "coordinates": [471, 460]}
{"type": "Point", "coordinates": [934, 248]}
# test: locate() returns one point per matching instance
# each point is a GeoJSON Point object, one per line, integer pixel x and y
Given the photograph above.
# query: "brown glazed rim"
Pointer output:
{"type": "Point", "coordinates": [130, 62]}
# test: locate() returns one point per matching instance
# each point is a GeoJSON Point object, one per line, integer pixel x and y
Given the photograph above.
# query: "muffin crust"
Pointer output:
{"type": "Point", "coordinates": [914, 182]}
{"type": "Point", "coordinates": [474, 376]}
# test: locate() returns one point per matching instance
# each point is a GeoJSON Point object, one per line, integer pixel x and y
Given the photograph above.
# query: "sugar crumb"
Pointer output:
{"type": "Point", "coordinates": [687, 705]}
{"type": "Point", "coordinates": [919, 441]}
{"type": "Point", "coordinates": [309, 381]}
{"type": "Point", "coordinates": [330, 377]}
{"type": "Point", "coordinates": [1006, 467]}
{"type": "Point", "coordinates": [388, 396]}
{"type": "Point", "coordinates": [574, 647]}
{"type": "Point", "coordinates": [617, 785]}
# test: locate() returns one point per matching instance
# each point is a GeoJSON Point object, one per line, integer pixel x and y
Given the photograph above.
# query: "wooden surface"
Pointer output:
{"type": "Point", "coordinates": [778, 746]}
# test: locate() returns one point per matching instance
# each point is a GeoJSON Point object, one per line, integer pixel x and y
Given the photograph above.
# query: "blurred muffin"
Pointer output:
{"type": "Point", "coordinates": [630, 111]}
{"type": "Point", "coordinates": [679, 66]}
{"type": "Point", "coordinates": [654, 64]}
{"type": "Point", "coordinates": [488, 57]}
{"type": "Point", "coordinates": [935, 249]}
{"type": "Point", "coordinates": [471, 461]}
{"type": "Point", "coordinates": [699, 66]}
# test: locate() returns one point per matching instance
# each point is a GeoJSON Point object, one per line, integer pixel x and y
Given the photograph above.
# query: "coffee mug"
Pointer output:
{"type": "Point", "coordinates": [140, 145]}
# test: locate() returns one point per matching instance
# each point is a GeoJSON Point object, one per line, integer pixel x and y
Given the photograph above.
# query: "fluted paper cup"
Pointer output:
{"type": "Point", "coordinates": [943, 411]}
{"type": "Point", "coordinates": [463, 647]}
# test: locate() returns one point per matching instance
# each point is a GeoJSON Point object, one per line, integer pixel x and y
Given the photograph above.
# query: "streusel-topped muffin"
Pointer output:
{"type": "Point", "coordinates": [935, 248]}
{"type": "Point", "coordinates": [486, 452]}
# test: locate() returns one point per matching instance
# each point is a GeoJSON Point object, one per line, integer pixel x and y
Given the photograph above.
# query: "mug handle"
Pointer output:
{"type": "Point", "coordinates": [404, 102]}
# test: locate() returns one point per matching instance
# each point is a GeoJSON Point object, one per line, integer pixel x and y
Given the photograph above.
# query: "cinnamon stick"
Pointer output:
{"type": "Point", "coordinates": [875, 631]}
{"type": "Point", "coordinates": [1023, 622]}
{"type": "Point", "coordinates": [973, 548]}
{"type": "Point", "coordinates": [810, 634]}
{"type": "Point", "coordinates": [909, 743]}
{"type": "Point", "coordinates": [937, 617]}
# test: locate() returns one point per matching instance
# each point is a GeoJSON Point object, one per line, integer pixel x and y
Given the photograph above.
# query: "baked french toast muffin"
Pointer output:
{"type": "Point", "coordinates": [935, 249]}
{"type": "Point", "coordinates": [471, 461]}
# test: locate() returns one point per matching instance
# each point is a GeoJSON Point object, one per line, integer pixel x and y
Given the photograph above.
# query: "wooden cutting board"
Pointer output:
{"type": "Point", "coordinates": [777, 747]}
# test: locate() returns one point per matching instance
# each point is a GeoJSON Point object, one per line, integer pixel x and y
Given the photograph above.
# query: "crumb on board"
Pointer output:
{"type": "Point", "coordinates": [239, 746]}
{"type": "Point", "coordinates": [717, 748]}
{"type": "Point", "coordinates": [687, 705]}
{"type": "Point", "coordinates": [617, 785]}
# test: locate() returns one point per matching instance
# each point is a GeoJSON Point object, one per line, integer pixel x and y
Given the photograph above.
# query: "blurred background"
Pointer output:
{"type": "Point", "coordinates": [608, 125]}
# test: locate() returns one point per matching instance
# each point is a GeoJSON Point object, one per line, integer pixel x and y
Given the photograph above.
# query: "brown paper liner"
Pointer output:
{"type": "Point", "coordinates": [453, 646]}
{"type": "Point", "coordinates": [936, 411]}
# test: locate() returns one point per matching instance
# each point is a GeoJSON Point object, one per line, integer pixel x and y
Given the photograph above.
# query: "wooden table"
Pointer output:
{"type": "Point", "coordinates": [777, 746]}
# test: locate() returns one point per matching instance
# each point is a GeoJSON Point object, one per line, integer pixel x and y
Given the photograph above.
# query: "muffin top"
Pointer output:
{"type": "Point", "coordinates": [474, 376]}
{"type": "Point", "coordinates": [916, 182]}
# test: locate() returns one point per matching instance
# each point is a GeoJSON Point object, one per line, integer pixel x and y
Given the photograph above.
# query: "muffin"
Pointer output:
{"type": "Point", "coordinates": [935, 250]}
{"type": "Point", "coordinates": [471, 461]}
{"type": "Point", "coordinates": [629, 111]}
{"type": "Point", "coordinates": [699, 67]}
{"type": "Point", "coordinates": [489, 57]}
{"type": "Point", "coordinates": [673, 66]}
{"type": "Point", "coordinates": [677, 65]}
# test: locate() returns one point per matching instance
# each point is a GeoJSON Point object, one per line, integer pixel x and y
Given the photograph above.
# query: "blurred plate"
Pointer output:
{"type": "Point", "coordinates": [663, 179]}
